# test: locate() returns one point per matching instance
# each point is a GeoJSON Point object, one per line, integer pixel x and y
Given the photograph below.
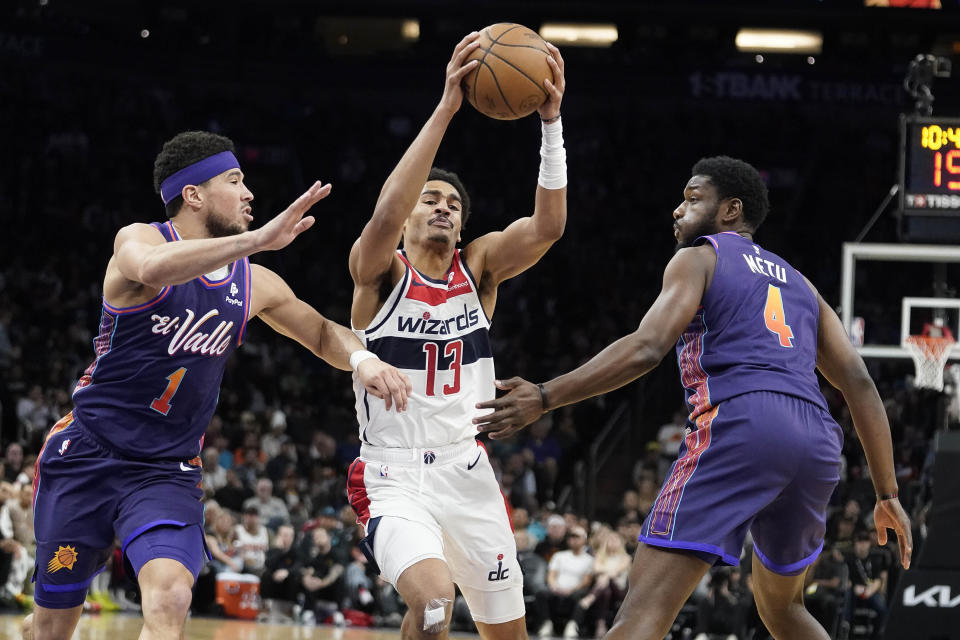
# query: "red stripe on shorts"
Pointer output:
{"type": "Point", "coordinates": [357, 491]}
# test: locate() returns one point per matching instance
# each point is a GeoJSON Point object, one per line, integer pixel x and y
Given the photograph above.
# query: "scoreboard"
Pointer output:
{"type": "Point", "coordinates": [929, 178]}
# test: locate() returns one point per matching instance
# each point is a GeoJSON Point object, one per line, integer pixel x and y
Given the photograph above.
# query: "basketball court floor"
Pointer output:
{"type": "Point", "coordinates": [127, 627]}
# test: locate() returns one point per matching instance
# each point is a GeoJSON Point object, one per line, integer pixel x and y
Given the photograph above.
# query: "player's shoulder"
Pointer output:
{"type": "Point", "coordinates": [142, 232]}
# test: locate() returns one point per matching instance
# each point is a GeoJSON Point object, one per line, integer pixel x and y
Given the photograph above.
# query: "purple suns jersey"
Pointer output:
{"type": "Point", "coordinates": [756, 330]}
{"type": "Point", "coordinates": [154, 384]}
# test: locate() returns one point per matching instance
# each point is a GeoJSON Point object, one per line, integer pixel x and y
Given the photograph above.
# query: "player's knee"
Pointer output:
{"type": "Point", "coordinates": [167, 604]}
{"type": "Point", "coordinates": [432, 614]}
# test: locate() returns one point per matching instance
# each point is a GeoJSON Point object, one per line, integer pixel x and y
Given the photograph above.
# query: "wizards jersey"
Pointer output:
{"type": "Point", "coordinates": [756, 329]}
{"type": "Point", "coordinates": [437, 333]}
{"type": "Point", "coordinates": [154, 384]}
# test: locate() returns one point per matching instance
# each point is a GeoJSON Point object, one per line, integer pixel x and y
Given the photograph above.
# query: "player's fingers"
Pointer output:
{"type": "Point", "coordinates": [551, 88]}
{"type": "Point", "coordinates": [906, 551]}
{"type": "Point", "coordinates": [491, 421]}
{"type": "Point", "coordinates": [555, 53]}
{"type": "Point", "coordinates": [464, 48]}
{"type": "Point", "coordinates": [458, 75]}
{"type": "Point", "coordinates": [505, 433]}
{"type": "Point", "coordinates": [509, 383]}
{"type": "Point", "coordinates": [399, 391]}
{"type": "Point", "coordinates": [881, 535]}
{"type": "Point", "coordinates": [304, 224]}
{"type": "Point", "coordinates": [496, 403]}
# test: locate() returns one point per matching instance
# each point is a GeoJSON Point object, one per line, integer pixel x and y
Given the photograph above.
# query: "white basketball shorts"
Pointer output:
{"type": "Point", "coordinates": [441, 502]}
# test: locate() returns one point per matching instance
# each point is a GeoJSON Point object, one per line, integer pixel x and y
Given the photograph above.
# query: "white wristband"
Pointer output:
{"type": "Point", "coordinates": [359, 356]}
{"type": "Point", "coordinates": [553, 157]}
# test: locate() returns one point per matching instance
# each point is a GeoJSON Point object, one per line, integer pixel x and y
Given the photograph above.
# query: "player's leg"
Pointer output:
{"type": "Point", "coordinates": [166, 587]}
{"type": "Point", "coordinates": [51, 624]}
{"type": "Point", "coordinates": [166, 561]}
{"type": "Point", "coordinates": [661, 580]}
{"type": "Point", "coordinates": [780, 603]}
{"type": "Point", "coordinates": [428, 590]}
{"type": "Point", "coordinates": [512, 629]}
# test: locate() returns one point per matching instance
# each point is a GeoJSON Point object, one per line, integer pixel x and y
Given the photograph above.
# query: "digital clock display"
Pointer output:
{"type": "Point", "coordinates": [930, 164]}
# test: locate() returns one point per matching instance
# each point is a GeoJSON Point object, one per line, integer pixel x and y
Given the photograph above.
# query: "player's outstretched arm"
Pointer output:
{"type": "Point", "coordinates": [275, 303]}
{"type": "Point", "coordinates": [843, 367]}
{"type": "Point", "coordinates": [684, 281]}
{"type": "Point", "coordinates": [523, 243]}
{"type": "Point", "coordinates": [141, 255]}
{"type": "Point", "coordinates": [373, 252]}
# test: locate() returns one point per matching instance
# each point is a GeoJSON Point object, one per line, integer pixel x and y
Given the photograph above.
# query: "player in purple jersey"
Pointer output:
{"type": "Point", "coordinates": [176, 299]}
{"type": "Point", "coordinates": [761, 452]}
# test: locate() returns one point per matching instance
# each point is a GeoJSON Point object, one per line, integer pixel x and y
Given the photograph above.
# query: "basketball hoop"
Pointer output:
{"type": "Point", "coordinates": [929, 356]}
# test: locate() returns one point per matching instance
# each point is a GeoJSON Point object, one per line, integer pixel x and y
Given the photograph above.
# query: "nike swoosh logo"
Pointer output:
{"type": "Point", "coordinates": [418, 284]}
{"type": "Point", "coordinates": [471, 466]}
{"type": "Point", "coordinates": [186, 467]}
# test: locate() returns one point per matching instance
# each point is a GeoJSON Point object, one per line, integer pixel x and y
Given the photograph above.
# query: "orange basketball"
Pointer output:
{"type": "Point", "coordinates": [508, 82]}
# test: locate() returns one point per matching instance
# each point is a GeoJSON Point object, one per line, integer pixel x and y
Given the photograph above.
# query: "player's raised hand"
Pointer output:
{"type": "Point", "coordinates": [551, 108]}
{"type": "Point", "coordinates": [456, 70]}
{"type": "Point", "coordinates": [889, 514]}
{"type": "Point", "coordinates": [384, 381]}
{"type": "Point", "coordinates": [291, 222]}
{"type": "Point", "coordinates": [511, 412]}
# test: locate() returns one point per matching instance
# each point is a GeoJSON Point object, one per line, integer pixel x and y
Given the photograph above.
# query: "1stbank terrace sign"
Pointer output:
{"type": "Point", "coordinates": [787, 87]}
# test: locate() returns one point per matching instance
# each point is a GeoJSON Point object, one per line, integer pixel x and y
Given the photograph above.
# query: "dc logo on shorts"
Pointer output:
{"type": "Point", "coordinates": [499, 573]}
{"type": "Point", "coordinates": [63, 446]}
{"type": "Point", "coordinates": [429, 457]}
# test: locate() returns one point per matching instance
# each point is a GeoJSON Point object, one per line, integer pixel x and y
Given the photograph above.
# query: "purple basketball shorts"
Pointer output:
{"type": "Point", "coordinates": [762, 462]}
{"type": "Point", "coordinates": [87, 498]}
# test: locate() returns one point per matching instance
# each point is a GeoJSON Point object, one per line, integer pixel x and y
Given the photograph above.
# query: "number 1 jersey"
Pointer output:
{"type": "Point", "coordinates": [154, 385]}
{"type": "Point", "coordinates": [437, 333]}
{"type": "Point", "coordinates": [756, 329]}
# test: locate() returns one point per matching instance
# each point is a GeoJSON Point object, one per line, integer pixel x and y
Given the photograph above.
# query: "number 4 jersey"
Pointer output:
{"type": "Point", "coordinates": [756, 329]}
{"type": "Point", "coordinates": [154, 384]}
{"type": "Point", "coordinates": [437, 333]}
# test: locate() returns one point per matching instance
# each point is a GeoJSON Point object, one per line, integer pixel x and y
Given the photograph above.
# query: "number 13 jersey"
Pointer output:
{"type": "Point", "coordinates": [437, 333]}
{"type": "Point", "coordinates": [756, 329]}
{"type": "Point", "coordinates": [153, 387]}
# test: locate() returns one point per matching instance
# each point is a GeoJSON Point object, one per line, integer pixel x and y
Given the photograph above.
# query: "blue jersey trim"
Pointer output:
{"type": "Point", "coordinates": [786, 569]}
{"type": "Point", "coordinates": [407, 353]}
{"type": "Point", "coordinates": [473, 281]}
{"type": "Point", "coordinates": [692, 546]}
{"type": "Point", "coordinates": [147, 527]}
{"type": "Point", "coordinates": [73, 586]}
{"type": "Point", "coordinates": [247, 287]}
{"type": "Point", "coordinates": [403, 288]}
{"type": "Point", "coordinates": [139, 307]}
{"type": "Point", "coordinates": [427, 278]}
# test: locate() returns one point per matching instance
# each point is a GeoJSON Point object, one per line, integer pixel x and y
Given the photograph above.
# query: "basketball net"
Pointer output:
{"type": "Point", "coordinates": [930, 353]}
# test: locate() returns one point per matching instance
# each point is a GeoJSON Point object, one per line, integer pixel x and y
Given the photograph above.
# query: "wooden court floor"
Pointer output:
{"type": "Point", "coordinates": [127, 627]}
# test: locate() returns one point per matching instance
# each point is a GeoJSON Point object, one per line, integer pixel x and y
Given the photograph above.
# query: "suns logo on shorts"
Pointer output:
{"type": "Point", "coordinates": [64, 558]}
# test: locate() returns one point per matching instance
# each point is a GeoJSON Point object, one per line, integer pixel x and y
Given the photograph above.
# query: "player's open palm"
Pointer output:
{"type": "Point", "coordinates": [456, 70]}
{"type": "Point", "coordinates": [292, 221]}
{"type": "Point", "coordinates": [384, 381]}
{"type": "Point", "coordinates": [889, 514]}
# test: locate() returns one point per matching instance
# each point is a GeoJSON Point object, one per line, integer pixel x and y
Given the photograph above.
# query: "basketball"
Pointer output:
{"type": "Point", "coordinates": [508, 82]}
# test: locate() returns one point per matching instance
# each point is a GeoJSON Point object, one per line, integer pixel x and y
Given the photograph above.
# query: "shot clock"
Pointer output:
{"type": "Point", "coordinates": [929, 178]}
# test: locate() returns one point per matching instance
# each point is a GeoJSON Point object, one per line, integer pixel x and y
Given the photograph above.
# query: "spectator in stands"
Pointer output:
{"type": "Point", "coordinates": [222, 543]}
{"type": "Point", "coordinates": [233, 494]}
{"type": "Point", "coordinates": [13, 462]}
{"type": "Point", "coordinates": [611, 567]}
{"type": "Point", "coordinates": [534, 569]}
{"type": "Point", "coordinates": [214, 476]}
{"type": "Point", "coordinates": [556, 539]}
{"type": "Point", "coordinates": [253, 540]}
{"type": "Point", "coordinates": [281, 580]}
{"type": "Point", "coordinates": [273, 512]}
{"type": "Point", "coordinates": [569, 576]}
{"type": "Point", "coordinates": [670, 436]}
{"type": "Point", "coordinates": [720, 613]}
{"type": "Point", "coordinates": [322, 578]}
{"type": "Point", "coordinates": [827, 592]}
{"type": "Point", "coordinates": [867, 582]}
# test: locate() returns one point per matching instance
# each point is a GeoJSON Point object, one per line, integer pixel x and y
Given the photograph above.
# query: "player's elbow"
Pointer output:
{"type": "Point", "coordinates": [645, 357]}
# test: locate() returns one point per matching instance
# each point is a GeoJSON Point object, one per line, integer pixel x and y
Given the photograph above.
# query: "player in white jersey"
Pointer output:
{"type": "Point", "coordinates": [423, 487]}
